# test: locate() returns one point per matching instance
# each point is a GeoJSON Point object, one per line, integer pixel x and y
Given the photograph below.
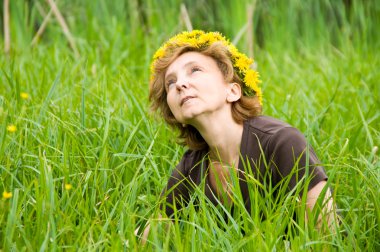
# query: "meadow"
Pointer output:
{"type": "Point", "coordinates": [83, 160]}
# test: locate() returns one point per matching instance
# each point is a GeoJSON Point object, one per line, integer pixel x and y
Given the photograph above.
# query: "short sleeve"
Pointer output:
{"type": "Point", "coordinates": [176, 192]}
{"type": "Point", "coordinates": [292, 156]}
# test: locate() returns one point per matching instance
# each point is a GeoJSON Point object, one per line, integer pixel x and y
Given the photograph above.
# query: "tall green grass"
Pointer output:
{"type": "Point", "coordinates": [87, 124]}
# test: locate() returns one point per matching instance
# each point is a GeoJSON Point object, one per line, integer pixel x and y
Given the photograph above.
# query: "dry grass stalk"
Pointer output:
{"type": "Point", "coordinates": [7, 36]}
{"type": "Point", "coordinates": [43, 25]}
{"type": "Point", "coordinates": [64, 26]}
{"type": "Point", "coordinates": [240, 34]}
{"type": "Point", "coordinates": [248, 28]}
{"type": "Point", "coordinates": [250, 37]}
{"type": "Point", "coordinates": [250, 11]}
{"type": "Point", "coordinates": [186, 18]}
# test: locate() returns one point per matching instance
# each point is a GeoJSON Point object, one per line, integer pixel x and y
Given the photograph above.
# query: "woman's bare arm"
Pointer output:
{"type": "Point", "coordinates": [145, 233]}
{"type": "Point", "coordinates": [328, 212]}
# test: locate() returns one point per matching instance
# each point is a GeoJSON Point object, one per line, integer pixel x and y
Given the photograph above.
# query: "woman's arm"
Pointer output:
{"type": "Point", "coordinates": [145, 233]}
{"type": "Point", "coordinates": [327, 214]}
{"type": "Point", "coordinates": [290, 150]}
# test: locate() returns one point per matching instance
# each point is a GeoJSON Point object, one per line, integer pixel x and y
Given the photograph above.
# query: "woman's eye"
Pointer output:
{"type": "Point", "coordinates": [170, 82]}
{"type": "Point", "coordinates": [195, 69]}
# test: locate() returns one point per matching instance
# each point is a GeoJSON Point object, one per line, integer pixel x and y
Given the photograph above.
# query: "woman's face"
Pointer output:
{"type": "Point", "coordinates": [195, 88]}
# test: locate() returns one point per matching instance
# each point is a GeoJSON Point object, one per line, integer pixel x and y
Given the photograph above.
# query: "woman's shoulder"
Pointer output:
{"type": "Point", "coordinates": [267, 125]}
{"type": "Point", "coordinates": [274, 133]}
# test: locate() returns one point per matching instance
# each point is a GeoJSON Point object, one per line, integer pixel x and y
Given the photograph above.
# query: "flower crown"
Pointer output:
{"type": "Point", "coordinates": [200, 39]}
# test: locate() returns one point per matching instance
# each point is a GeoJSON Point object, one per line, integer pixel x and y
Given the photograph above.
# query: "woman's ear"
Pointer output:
{"type": "Point", "coordinates": [233, 92]}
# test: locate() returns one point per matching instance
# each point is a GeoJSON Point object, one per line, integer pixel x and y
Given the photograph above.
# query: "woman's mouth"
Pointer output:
{"type": "Point", "coordinates": [185, 99]}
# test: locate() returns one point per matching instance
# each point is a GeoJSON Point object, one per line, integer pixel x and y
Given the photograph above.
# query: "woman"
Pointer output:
{"type": "Point", "coordinates": [205, 88]}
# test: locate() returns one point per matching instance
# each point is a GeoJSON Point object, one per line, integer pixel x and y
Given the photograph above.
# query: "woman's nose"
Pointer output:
{"type": "Point", "coordinates": [182, 84]}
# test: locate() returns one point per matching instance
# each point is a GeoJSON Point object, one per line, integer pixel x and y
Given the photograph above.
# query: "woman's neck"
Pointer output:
{"type": "Point", "coordinates": [223, 136]}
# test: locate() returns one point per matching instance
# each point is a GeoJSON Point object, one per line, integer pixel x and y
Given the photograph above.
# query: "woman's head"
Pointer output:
{"type": "Point", "coordinates": [234, 67]}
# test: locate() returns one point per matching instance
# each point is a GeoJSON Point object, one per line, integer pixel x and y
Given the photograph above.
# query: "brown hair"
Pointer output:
{"type": "Point", "coordinates": [242, 109]}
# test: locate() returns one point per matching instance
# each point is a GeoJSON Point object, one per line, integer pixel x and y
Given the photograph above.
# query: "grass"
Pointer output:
{"type": "Point", "coordinates": [86, 124]}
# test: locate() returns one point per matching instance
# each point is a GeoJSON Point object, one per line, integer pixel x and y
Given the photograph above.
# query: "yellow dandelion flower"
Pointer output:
{"type": "Point", "coordinates": [243, 63]}
{"type": "Point", "coordinates": [68, 187]}
{"type": "Point", "coordinates": [218, 36]}
{"type": "Point", "coordinates": [24, 95]}
{"type": "Point", "coordinates": [152, 68]}
{"type": "Point", "coordinates": [195, 33]}
{"type": "Point", "coordinates": [191, 41]}
{"type": "Point", "coordinates": [203, 40]}
{"type": "Point", "coordinates": [7, 195]}
{"type": "Point", "coordinates": [208, 38]}
{"type": "Point", "coordinates": [259, 95]}
{"type": "Point", "coordinates": [160, 53]}
{"type": "Point", "coordinates": [233, 50]}
{"type": "Point", "coordinates": [252, 79]}
{"type": "Point", "coordinates": [11, 128]}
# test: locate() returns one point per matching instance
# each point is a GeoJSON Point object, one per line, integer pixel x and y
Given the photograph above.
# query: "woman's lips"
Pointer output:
{"type": "Point", "coordinates": [185, 99]}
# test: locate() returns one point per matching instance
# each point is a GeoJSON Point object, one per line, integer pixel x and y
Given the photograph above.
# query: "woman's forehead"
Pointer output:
{"type": "Point", "coordinates": [189, 58]}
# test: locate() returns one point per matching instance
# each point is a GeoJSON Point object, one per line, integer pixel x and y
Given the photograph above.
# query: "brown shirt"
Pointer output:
{"type": "Point", "coordinates": [268, 146]}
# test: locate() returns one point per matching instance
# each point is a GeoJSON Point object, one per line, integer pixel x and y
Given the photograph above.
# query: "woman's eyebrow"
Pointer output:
{"type": "Point", "coordinates": [190, 63]}
{"type": "Point", "coordinates": [169, 75]}
{"type": "Point", "coordinates": [184, 66]}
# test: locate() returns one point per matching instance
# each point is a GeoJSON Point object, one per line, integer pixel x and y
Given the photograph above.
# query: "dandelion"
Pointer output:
{"type": "Point", "coordinates": [243, 63]}
{"type": "Point", "coordinates": [252, 80]}
{"type": "Point", "coordinates": [7, 195]}
{"type": "Point", "coordinates": [160, 53]}
{"type": "Point", "coordinates": [11, 128]}
{"type": "Point", "coordinates": [24, 95]}
{"type": "Point", "coordinates": [68, 187]}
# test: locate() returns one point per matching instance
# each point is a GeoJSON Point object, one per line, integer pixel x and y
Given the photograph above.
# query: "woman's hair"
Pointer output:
{"type": "Point", "coordinates": [242, 109]}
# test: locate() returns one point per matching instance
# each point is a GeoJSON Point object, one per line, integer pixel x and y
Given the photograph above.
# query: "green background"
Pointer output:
{"type": "Point", "coordinates": [87, 122]}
